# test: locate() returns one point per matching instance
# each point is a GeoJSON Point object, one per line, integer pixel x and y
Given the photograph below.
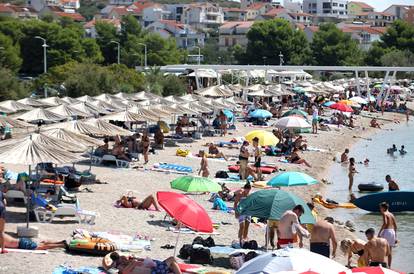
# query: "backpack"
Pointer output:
{"type": "Point", "coordinates": [185, 251]}
{"type": "Point", "coordinates": [222, 174]}
{"type": "Point", "coordinates": [250, 245]}
{"type": "Point", "coordinates": [201, 256]}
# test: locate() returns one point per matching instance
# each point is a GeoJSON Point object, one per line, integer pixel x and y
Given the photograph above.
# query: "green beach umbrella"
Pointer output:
{"type": "Point", "coordinates": [195, 184]}
{"type": "Point", "coordinates": [292, 179]}
{"type": "Point", "coordinates": [271, 204]}
{"type": "Point", "coordinates": [295, 112]}
{"type": "Point", "coordinates": [299, 90]}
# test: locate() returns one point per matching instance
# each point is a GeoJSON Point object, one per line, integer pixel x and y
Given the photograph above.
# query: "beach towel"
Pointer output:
{"type": "Point", "coordinates": [26, 251]}
{"type": "Point", "coordinates": [219, 204]}
{"type": "Point", "coordinates": [185, 230]}
{"type": "Point", "coordinates": [84, 270]}
{"type": "Point", "coordinates": [191, 268]}
{"type": "Point", "coordinates": [173, 167]}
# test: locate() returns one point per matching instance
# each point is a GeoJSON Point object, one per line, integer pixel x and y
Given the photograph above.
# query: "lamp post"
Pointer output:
{"type": "Point", "coordinates": [281, 61]}
{"type": "Point", "coordinates": [145, 53]}
{"type": "Point", "coordinates": [119, 50]}
{"type": "Point", "coordinates": [44, 53]}
{"type": "Point", "coordinates": [199, 54]}
{"type": "Point", "coordinates": [264, 60]}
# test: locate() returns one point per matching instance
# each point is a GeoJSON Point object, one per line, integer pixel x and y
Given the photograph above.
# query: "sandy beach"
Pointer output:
{"type": "Point", "coordinates": [145, 182]}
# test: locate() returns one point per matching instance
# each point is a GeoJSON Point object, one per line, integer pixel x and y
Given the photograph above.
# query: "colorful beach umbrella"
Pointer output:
{"type": "Point", "coordinates": [195, 184]}
{"type": "Point", "coordinates": [292, 179]}
{"type": "Point", "coordinates": [272, 203]}
{"type": "Point", "coordinates": [260, 114]}
{"type": "Point", "coordinates": [266, 138]}
{"type": "Point", "coordinates": [292, 122]}
{"type": "Point", "coordinates": [291, 259]}
{"type": "Point", "coordinates": [341, 107]}
{"type": "Point", "coordinates": [328, 104]}
{"type": "Point", "coordinates": [185, 210]}
{"type": "Point", "coordinates": [295, 112]}
{"type": "Point", "coordinates": [372, 270]}
{"type": "Point", "coordinates": [359, 100]}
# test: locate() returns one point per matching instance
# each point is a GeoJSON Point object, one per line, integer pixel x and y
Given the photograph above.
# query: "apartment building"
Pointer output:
{"type": "Point", "coordinates": [202, 16]}
{"type": "Point", "coordinates": [326, 8]}
{"type": "Point", "coordinates": [234, 33]}
{"type": "Point", "coordinates": [376, 19]}
{"type": "Point", "coordinates": [399, 11]}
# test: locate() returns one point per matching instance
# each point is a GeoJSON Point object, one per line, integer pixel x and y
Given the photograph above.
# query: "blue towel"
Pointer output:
{"type": "Point", "coordinates": [70, 270]}
{"type": "Point", "coordinates": [220, 204]}
{"type": "Point", "coordinates": [176, 167]}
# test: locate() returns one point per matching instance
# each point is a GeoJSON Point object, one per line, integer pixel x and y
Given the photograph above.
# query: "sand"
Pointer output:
{"type": "Point", "coordinates": [149, 223]}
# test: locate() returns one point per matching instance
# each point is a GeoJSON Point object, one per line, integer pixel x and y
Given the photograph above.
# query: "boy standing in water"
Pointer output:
{"type": "Point", "coordinates": [388, 229]}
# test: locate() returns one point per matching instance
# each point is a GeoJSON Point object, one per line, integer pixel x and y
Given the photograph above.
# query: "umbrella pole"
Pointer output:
{"type": "Point", "coordinates": [29, 200]}
{"type": "Point", "coordinates": [178, 237]}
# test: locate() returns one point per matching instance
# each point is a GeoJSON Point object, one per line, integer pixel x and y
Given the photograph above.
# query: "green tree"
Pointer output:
{"type": "Point", "coordinates": [332, 47]}
{"type": "Point", "coordinates": [9, 54]}
{"type": "Point", "coordinates": [173, 85]}
{"type": "Point", "coordinates": [398, 58]}
{"type": "Point", "coordinates": [10, 86]}
{"type": "Point", "coordinates": [266, 39]}
{"type": "Point", "coordinates": [107, 33]}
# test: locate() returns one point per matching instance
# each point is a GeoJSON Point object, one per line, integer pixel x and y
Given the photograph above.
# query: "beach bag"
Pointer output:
{"type": "Point", "coordinates": [182, 152]}
{"type": "Point", "coordinates": [201, 256]}
{"type": "Point", "coordinates": [209, 242]}
{"type": "Point", "coordinates": [250, 255]}
{"type": "Point", "coordinates": [222, 174]}
{"type": "Point", "coordinates": [237, 260]}
{"type": "Point", "coordinates": [250, 245]}
{"type": "Point", "coordinates": [198, 241]}
{"type": "Point", "coordinates": [185, 251]}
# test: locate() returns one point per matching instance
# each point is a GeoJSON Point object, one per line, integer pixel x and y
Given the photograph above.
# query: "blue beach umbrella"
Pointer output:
{"type": "Point", "coordinates": [328, 104]}
{"type": "Point", "coordinates": [229, 114]}
{"type": "Point", "coordinates": [292, 179]}
{"type": "Point", "coordinates": [299, 90]}
{"type": "Point", "coordinates": [260, 114]}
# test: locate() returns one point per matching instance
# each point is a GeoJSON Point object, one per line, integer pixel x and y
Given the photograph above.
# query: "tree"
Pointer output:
{"type": "Point", "coordinates": [10, 87]}
{"type": "Point", "coordinates": [332, 47]}
{"type": "Point", "coordinates": [398, 58]}
{"type": "Point", "coordinates": [173, 85]}
{"type": "Point", "coordinates": [9, 54]}
{"type": "Point", "coordinates": [267, 39]}
{"type": "Point", "coordinates": [107, 33]}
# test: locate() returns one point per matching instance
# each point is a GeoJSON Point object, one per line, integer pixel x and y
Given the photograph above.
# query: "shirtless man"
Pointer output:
{"type": "Point", "coordinates": [344, 156]}
{"type": "Point", "coordinates": [323, 233]}
{"type": "Point", "coordinates": [388, 229]}
{"type": "Point", "coordinates": [244, 221]}
{"type": "Point", "coordinates": [377, 250]}
{"type": "Point", "coordinates": [392, 185]}
{"type": "Point", "coordinates": [289, 226]}
{"type": "Point", "coordinates": [28, 244]}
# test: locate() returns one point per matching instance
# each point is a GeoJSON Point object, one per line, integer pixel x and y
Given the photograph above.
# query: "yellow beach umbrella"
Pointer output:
{"type": "Point", "coordinates": [346, 102]}
{"type": "Point", "coordinates": [266, 138]}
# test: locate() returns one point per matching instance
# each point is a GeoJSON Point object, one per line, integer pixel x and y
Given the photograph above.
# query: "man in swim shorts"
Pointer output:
{"type": "Point", "coordinates": [244, 221]}
{"type": "Point", "coordinates": [29, 244]}
{"type": "Point", "coordinates": [322, 235]}
{"type": "Point", "coordinates": [376, 250]}
{"type": "Point", "coordinates": [388, 229]}
{"type": "Point", "coordinates": [289, 227]}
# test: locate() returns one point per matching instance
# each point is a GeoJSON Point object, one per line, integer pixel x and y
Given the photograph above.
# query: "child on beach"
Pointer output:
{"type": "Point", "coordinates": [203, 164]}
{"type": "Point", "coordinates": [351, 172]}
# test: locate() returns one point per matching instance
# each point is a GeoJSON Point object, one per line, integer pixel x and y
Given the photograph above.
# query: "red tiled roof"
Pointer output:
{"type": "Point", "coordinates": [120, 11]}
{"type": "Point", "coordinates": [5, 8]}
{"type": "Point", "coordinates": [172, 23]}
{"type": "Point", "coordinates": [361, 4]}
{"type": "Point", "coordinates": [274, 12]}
{"type": "Point", "coordinates": [374, 13]}
{"type": "Point", "coordinates": [75, 16]}
{"type": "Point", "coordinates": [233, 10]}
{"type": "Point", "coordinates": [234, 24]}
{"type": "Point", "coordinates": [115, 22]}
{"type": "Point", "coordinates": [256, 6]}
{"type": "Point", "coordinates": [138, 7]}
{"type": "Point", "coordinates": [313, 28]}
{"type": "Point", "coordinates": [370, 30]}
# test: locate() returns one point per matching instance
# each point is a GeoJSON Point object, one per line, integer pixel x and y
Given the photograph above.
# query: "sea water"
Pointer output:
{"type": "Point", "coordinates": [401, 169]}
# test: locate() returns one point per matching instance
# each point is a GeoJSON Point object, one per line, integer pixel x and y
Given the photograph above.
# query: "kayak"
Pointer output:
{"type": "Point", "coordinates": [398, 201]}
{"type": "Point", "coordinates": [332, 205]}
{"type": "Point", "coordinates": [371, 187]}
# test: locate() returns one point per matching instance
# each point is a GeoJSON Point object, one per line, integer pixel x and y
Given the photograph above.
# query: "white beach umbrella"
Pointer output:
{"type": "Point", "coordinates": [215, 91]}
{"type": "Point", "coordinates": [89, 108]}
{"type": "Point", "coordinates": [53, 101]}
{"type": "Point", "coordinates": [292, 122]}
{"type": "Point", "coordinates": [123, 96]}
{"type": "Point", "coordinates": [104, 97]}
{"type": "Point", "coordinates": [108, 128]}
{"type": "Point", "coordinates": [80, 127]}
{"type": "Point", "coordinates": [5, 110]}
{"type": "Point", "coordinates": [70, 100]}
{"type": "Point", "coordinates": [359, 100]}
{"type": "Point", "coordinates": [33, 102]}
{"type": "Point", "coordinates": [128, 116]}
{"type": "Point", "coordinates": [86, 98]}
{"type": "Point", "coordinates": [14, 106]}
{"type": "Point", "coordinates": [291, 259]}
{"type": "Point", "coordinates": [40, 114]}
{"type": "Point", "coordinates": [68, 111]}
{"type": "Point", "coordinates": [105, 105]}
{"type": "Point", "coordinates": [72, 137]}
{"type": "Point", "coordinates": [7, 121]}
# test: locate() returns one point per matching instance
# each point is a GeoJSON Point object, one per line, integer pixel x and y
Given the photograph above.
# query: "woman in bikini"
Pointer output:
{"type": "Point", "coordinates": [133, 202]}
{"type": "Point", "coordinates": [350, 247]}
{"type": "Point", "coordinates": [146, 144]}
{"type": "Point", "coordinates": [203, 165]}
{"type": "Point", "coordinates": [295, 158]}
{"type": "Point", "coordinates": [351, 172]}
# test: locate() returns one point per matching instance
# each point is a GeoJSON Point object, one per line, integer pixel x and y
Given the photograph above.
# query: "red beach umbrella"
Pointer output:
{"type": "Point", "coordinates": [373, 270]}
{"type": "Point", "coordinates": [185, 211]}
{"type": "Point", "coordinates": [341, 107]}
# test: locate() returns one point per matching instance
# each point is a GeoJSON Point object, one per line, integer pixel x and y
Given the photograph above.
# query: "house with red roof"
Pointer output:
{"type": "Point", "coordinates": [355, 8]}
{"type": "Point", "coordinates": [90, 30]}
{"type": "Point", "coordinates": [20, 12]}
{"type": "Point", "coordinates": [58, 12]}
{"type": "Point", "coordinates": [184, 35]}
{"type": "Point", "coordinates": [376, 19]}
{"type": "Point", "coordinates": [234, 33]}
{"type": "Point", "coordinates": [365, 35]}
{"type": "Point", "coordinates": [292, 17]}
{"type": "Point", "coordinates": [234, 14]}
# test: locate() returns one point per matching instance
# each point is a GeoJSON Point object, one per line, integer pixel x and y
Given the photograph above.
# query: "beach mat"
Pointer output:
{"type": "Point", "coordinates": [83, 270]}
{"type": "Point", "coordinates": [191, 268]}
{"type": "Point", "coordinates": [179, 168]}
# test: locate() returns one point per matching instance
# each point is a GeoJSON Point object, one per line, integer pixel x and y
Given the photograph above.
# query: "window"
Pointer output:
{"type": "Point", "coordinates": [334, 4]}
{"type": "Point", "coordinates": [341, 12]}
{"type": "Point", "coordinates": [341, 5]}
{"type": "Point", "coordinates": [326, 11]}
{"type": "Point", "coordinates": [179, 10]}
{"type": "Point", "coordinates": [326, 5]}
{"type": "Point", "coordinates": [314, 5]}
{"type": "Point", "coordinates": [334, 11]}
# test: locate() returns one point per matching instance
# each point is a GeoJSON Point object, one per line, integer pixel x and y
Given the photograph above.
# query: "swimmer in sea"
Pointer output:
{"type": "Point", "coordinates": [392, 149]}
{"type": "Point", "coordinates": [402, 150]}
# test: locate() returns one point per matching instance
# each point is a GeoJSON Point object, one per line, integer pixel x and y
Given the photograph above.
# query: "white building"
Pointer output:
{"type": "Point", "coordinates": [202, 16]}
{"type": "Point", "coordinates": [326, 8]}
{"type": "Point", "coordinates": [293, 6]}
{"type": "Point", "coordinates": [38, 5]}
{"type": "Point", "coordinates": [154, 13]}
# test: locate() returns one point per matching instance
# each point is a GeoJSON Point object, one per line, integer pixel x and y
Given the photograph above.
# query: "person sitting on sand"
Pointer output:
{"type": "Point", "coordinates": [350, 247]}
{"type": "Point", "coordinates": [118, 151]}
{"type": "Point", "coordinates": [132, 265]}
{"type": "Point", "coordinates": [29, 244]}
{"type": "Point", "coordinates": [374, 123]}
{"type": "Point", "coordinates": [300, 143]}
{"type": "Point", "coordinates": [402, 150]}
{"type": "Point", "coordinates": [203, 164]}
{"type": "Point", "coordinates": [296, 159]}
{"type": "Point", "coordinates": [344, 156]}
{"type": "Point", "coordinates": [133, 202]}
{"type": "Point", "coordinates": [214, 152]}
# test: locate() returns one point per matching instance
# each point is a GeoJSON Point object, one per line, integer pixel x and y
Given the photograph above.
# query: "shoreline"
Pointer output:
{"type": "Point", "coordinates": [144, 182]}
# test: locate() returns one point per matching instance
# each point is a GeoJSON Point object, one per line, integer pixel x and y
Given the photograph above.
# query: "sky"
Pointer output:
{"type": "Point", "coordinates": [381, 5]}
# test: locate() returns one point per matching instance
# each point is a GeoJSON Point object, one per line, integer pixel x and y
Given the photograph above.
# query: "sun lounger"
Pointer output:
{"type": "Point", "coordinates": [16, 194]}
{"type": "Point", "coordinates": [112, 158]}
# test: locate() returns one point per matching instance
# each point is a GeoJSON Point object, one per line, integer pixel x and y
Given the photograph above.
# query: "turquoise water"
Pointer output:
{"type": "Point", "coordinates": [401, 169]}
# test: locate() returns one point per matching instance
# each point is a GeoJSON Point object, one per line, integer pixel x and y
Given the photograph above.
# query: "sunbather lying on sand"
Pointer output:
{"type": "Point", "coordinates": [131, 265]}
{"type": "Point", "coordinates": [128, 201]}
{"type": "Point", "coordinates": [29, 244]}
{"type": "Point", "coordinates": [296, 159]}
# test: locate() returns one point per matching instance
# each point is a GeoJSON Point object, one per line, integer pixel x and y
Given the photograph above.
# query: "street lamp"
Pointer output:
{"type": "Point", "coordinates": [281, 61]}
{"type": "Point", "coordinates": [119, 50]}
{"type": "Point", "coordinates": [264, 60]}
{"type": "Point", "coordinates": [199, 54]}
{"type": "Point", "coordinates": [44, 53]}
{"type": "Point", "coordinates": [145, 53]}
